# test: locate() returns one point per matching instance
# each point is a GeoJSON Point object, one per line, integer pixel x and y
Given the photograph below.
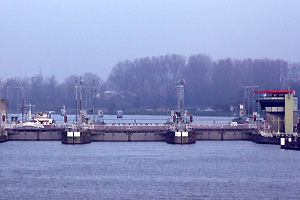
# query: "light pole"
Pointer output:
{"type": "Point", "coordinates": [7, 101]}
{"type": "Point", "coordinates": [245, 96]}
{"type": "Point", "coordinates": [23, 100]}
{"type": "Point", "coordinates": [86, 98]}
{"type": "Point", "coordinates": [17, 99]}
{"type": "Point", "coordinates": [17, 102]}
{"type": "Point", "coordinates": [76, 102]}
{"type": "Point", "coordinates": [247, 87]}
{"type": "Point", "coordinates": [80, 93]}
{"type": "Point", "coordinates": [94, 93]}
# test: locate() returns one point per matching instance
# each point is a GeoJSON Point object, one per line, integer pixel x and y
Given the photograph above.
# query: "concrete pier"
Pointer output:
{"type": "Point", "coordinates": [3, 138]}
{"type": "Point", "coordinates": [181, 137]}
{"type": "Point", "coordinates": [76, 137]}
{"type": "Point", "coordinates": [133, 133]}
{"type": "Point", "coordinates": [258, 138]}
{"type": "Point", "coordinates": [34, 134]}
{"type": "Point", "coordinates": [3, 135]}
{"type": "Point", "coordinates": [224, 132]}
{"type": "Point", "coordinates": [127, 137]}
{"type": "Point", "coordinates": [290, 143]}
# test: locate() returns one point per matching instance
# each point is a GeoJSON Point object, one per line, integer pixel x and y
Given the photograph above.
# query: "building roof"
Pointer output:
{"type": "Point", "coordinates": [274, 92]}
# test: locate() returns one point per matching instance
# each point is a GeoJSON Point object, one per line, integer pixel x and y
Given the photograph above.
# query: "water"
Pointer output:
{"type": "Point", "coordinates": [147, 119]}
{"type": "Point", "coordinates": [148, 170]}
{"type": "Point", "coordinates": [143, 119]}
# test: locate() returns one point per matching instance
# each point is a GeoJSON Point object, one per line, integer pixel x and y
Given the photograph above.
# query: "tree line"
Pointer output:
{"type": "Point", "coordinates": [149, 83]}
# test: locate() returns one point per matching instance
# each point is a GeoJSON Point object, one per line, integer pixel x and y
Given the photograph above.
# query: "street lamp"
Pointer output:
{"type": "Point", "coordinates": [247, 87]}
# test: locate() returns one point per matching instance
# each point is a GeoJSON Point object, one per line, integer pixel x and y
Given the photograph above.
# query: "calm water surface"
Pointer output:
{"type": "Point", "coordinates": [148, 170]}
{"type": "Point", "coordinates": [143, 119]}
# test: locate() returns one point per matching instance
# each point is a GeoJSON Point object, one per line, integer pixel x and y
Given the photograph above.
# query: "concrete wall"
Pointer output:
{"type": "Point", "coordinates": [148, 137]}
{"type": "Point", "coordinates": [35, 136]}
{"type": "Point", "coordinates": [3, 109]}
{"type": "Point", "coordinates": [230, 135]}
{"type": "Point", "coordinates": [50, 136]}
{"type": "Point", "coordinates": [208, 135]}
{"type": "Point", "coordinates": [272, 119]}
{"type": "Point", "coordinates": [127, 136]}
{"type": "Point", "coordinates": [3, 138]}
{"type": "Point", "coordinates": [258, 138]}
{"type": "Point", "coordinates": [132, 136]}
{"type": "Point", "coordinates": [199, 135]}
{"type": "Point", "coordinates": [77, 137]}
{"type": "Point", "coordinates": [289, 114]}
{"type": "Point", "coordinates": [223, 135]}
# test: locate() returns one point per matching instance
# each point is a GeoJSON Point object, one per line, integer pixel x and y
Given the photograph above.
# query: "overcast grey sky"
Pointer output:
{"type": "Point", "coordinates": [64, 37]}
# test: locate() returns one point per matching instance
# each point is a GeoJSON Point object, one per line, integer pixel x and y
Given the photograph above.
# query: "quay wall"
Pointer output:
{"type": "Point", "coordinates": [128, 136]}
{"type": "Point", "coordinates": [131, 134]}
{"type": "Point", "coordinates": [34, 135]}
{"type": "Point", "coordinates": [162, 135]}
{"type": "Point", "coordinates": [258, 138]}
{"type": "Point", "coordinates": [3, 138]}
{"type": "Point", "coordinates": [70, 137]}
{"type": "Point", "coordinates": [3, 135]}
{"type": "Point", "coordinates": [223, 134]}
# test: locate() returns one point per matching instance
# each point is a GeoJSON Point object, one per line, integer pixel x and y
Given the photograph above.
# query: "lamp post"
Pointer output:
{"type": "Point", "coordinates": [94, 93]}
{"type": "Point", "coordinates": [76, 102]}
{"type": "Point", "coordinates": [7, 100]}
{"type": "Point", "coordinates": [247, 87]}
{"type": "Point", "coordinates": [23, 93]}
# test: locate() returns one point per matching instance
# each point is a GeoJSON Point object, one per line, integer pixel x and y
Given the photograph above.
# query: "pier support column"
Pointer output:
{"type": "Point", "coordinates": [222, 134]}
{"type": "Point", "coordinates": [70, 137]}
{"type": "Point", "coordinates": [129, 134]}
{"type": "Point", "coordinates": [3, 136]}
{"type": "Point", "coordinates": [181, 137]}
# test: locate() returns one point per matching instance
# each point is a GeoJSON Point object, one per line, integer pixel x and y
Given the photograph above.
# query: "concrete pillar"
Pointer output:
{"type": "Point", "coordinates": [3, 109]}
{"type": "Point", "coordinates": [288, 113]}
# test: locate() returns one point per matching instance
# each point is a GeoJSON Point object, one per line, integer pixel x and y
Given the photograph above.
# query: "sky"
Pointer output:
{"type": "Point", "coordinates": [68, 37]}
